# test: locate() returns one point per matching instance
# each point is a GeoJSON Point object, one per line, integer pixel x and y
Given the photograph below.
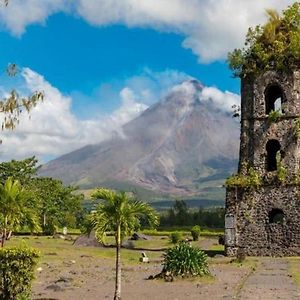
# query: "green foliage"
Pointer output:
{"type": "Point", "coordinates": [250, 179]}
{"type": "Point", "coordinates": [281, 170]}
{"type": "Point", "coordinates": [195, 232]}
{"type": "Point", "coordinates": [185, 260]}
{"type": "Point", "coordinates": [121, 213]}
{"type": "Point", "coordinates": [273, 46]}
{"type": "Point", "coordinates": [57, 204]}
{"type": "Point", "coordinates": [118, 209]}
{"type": "Point", "coordinates": [16, 208]}
{"type": "Point", "coordinates": [274, 116]}
{"type": "Point", "coordinates": [175, 237]}
{"type": "Point", "coordinates": [22, 170]}
{"type": "Point", "coordinates": [297, 128]}
{"type": "Point", "coordinates": [87, 225]}
{"type": "Point", "coordinates": [204, 217]}
{"type": "Point", "coordinates": [17, 272]}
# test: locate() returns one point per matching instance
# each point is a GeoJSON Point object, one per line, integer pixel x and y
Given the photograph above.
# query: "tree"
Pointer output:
{"type": "Point", "coordinates": [22, 170]}
{"type": "Point", "coordinates": [120, 213]}
{"type": "Point", "coordinates": [16, 208]}
{"type": "Point", "coordinates": [56, 203]}
{"type": "Point", "coordinates": [273, 46]}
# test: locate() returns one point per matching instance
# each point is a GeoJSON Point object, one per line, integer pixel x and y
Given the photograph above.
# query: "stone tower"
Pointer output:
{"type": "Point", "coordinates": [263, 199]}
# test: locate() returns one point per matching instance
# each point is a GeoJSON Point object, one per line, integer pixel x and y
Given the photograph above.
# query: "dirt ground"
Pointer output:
{"type": "Point", "coordinates": [85, 273]}
{"type": "Point", "coordinates": [89, 278]}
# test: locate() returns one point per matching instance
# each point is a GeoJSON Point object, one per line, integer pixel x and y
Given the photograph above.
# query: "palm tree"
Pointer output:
{"type": "Point", "coordinates": [121, 213]}
{"type": "Point", "coordinates": [16, 208]}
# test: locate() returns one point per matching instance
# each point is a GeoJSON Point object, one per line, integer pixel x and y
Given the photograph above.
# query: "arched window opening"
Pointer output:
{"type": "Point", "coordinates": [272, 147]}
{"type": "Point", "coordinates": [276, 216]}
{"type": "Point", "coordinates": [274, 99]}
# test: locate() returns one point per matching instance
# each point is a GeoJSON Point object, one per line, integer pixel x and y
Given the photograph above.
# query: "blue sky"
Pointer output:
{"type": "Point", "coordinates": [76, 57]}
{"type": "Point", "coordinates": [102, 62]}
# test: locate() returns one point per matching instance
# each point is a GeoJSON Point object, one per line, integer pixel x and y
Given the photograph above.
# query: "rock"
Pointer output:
{"type": "Point", "coordinates": [219, 256]}
{"type": "Point", "coordinates": [55, 288]}
{"type": "Point", "coordinates": [40, 269]}
{"type": "Point", "coordinates": [88, 241]}
{"type": "Point", "coordinates": [140, 236]}
{"type": "Point", "coordinates": [128, 244]}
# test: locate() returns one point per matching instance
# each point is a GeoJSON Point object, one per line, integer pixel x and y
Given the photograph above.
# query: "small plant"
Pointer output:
{"type": "Point", "coordinates": [274, 116]}
{"type": "Point", "coordinates": [272, 46]}
{"type": "Point", "coordinates": [17, 272]}
{"type": "Point", "coordinates": [185, 260]}
{"type": "Point", "coordinates": [175, 237]}
{"type": "Point", "coordinates": [250, 179]}
{"type": "Point", "coordinates": [281, 170]}
{"type": "Point", "coordinates": [297, 128]}
{"type": "Point", "coordinates": [195, 232]}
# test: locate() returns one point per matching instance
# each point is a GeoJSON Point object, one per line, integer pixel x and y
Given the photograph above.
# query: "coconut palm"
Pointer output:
{"type": "Point", "coordinates": [121, 213]}
{"type": "Point", "coordinates": [16, 208]}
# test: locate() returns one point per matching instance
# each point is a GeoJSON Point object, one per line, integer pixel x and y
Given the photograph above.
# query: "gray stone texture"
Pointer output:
{"type": "Point", "coordinates": [253, 232]}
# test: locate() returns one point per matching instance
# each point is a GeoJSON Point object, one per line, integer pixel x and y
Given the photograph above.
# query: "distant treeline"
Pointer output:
{"type": "Point", "coordinates": [181, 215]}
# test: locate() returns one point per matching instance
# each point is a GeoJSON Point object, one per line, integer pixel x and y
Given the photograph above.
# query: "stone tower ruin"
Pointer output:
{"type": "Point", "coordinates": [263, 199]}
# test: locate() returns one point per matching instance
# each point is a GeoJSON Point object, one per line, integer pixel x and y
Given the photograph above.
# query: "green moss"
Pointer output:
{"type": "Point", "coordinates": [274, 116]}
{"type": "Point", "coordinates": [281, 170]}
{"type": "Point", "coordinates": [250, 179]}
{"type": "Point", "coordinates": [297, 128]}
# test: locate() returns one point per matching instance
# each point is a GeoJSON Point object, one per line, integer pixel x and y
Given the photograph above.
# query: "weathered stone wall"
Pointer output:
{"type": "Point", "coordinates": [253, 231]}
{"type": "Point", "coordinates": [256, 129]}
{"type": "Point", "coordinates": [247, 221]}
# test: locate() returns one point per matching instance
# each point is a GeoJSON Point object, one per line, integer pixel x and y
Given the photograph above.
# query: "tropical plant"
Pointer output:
{"type": "Point", "coordinates": [195, 232]}
{"type": "Point", "coordinates": [17, 272]}
{"type": "Point", "coordinates": [273, 46]}
{"type": "Point", "coordinates": [185, 260]}
{"type": "Point", "coordinates": [121, 213]}
{"type": "Point", "coordinates": [16, 209]}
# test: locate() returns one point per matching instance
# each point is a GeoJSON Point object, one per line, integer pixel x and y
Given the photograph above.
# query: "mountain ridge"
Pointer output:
{"type": "Point", "coordinates": [173, 147]}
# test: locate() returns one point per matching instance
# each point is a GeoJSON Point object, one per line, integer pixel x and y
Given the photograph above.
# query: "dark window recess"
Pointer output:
{"type": "Point", "coordinates": [272, 147]}
{"type": "Point", "coordinates": [276, 215]}
{"type": "Point", "coordinates": [274, 99]}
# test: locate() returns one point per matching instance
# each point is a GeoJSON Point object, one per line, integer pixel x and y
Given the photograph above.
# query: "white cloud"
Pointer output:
{"type": "Point", "coordinates": [21, 13]}
{"type": "Point", "coordinates": [211, 27]}
{"type": "Point", "coordinates": [53, 129]}
{"type": "Point", "coordinates": [221, 100]}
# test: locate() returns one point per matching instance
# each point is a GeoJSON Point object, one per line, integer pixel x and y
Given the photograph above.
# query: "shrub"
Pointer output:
{"type": "Point", "coordinates": [49, 229]}
{"type": "Point", "coordinates": [195, 232]}
{"type": "Point", "coordinates": [185, 260]}
{"type": "Point", "coordinates": [273, 46]}
{"type": "Point", "coordinates": [175, 237]}
{"type": "Point", "coordinates": [17, 272]}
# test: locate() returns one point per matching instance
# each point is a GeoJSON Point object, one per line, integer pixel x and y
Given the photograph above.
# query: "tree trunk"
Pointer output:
{"type": "Point", "coordinates": [118, 265]}
{"type": "Point", "coordinates": [44, 220]}
{"type": "Point", "coordinates": [4, 232]}
{"type": "Point", "coordinates": [2, 239]}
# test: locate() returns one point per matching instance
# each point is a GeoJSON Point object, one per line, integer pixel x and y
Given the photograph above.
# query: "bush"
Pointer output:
{"type": "Point", "coordinates": [175, 237]}
{"type": "Point", "coordinates": [185, 260]}
{"type": "Point", "coordinates": [49, 229]}
{"type": "Point", "coordinates": [16, 272]}
{"type": "Point", "coordinates": [195, 232]}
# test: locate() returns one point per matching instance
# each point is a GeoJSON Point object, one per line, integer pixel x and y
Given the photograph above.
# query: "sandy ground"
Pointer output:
{"type": "Point", "coordinates": [88, 277]}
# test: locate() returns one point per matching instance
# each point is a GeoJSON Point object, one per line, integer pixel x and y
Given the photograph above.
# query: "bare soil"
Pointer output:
{"type": "Point", "coordinates": [87, 273]}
